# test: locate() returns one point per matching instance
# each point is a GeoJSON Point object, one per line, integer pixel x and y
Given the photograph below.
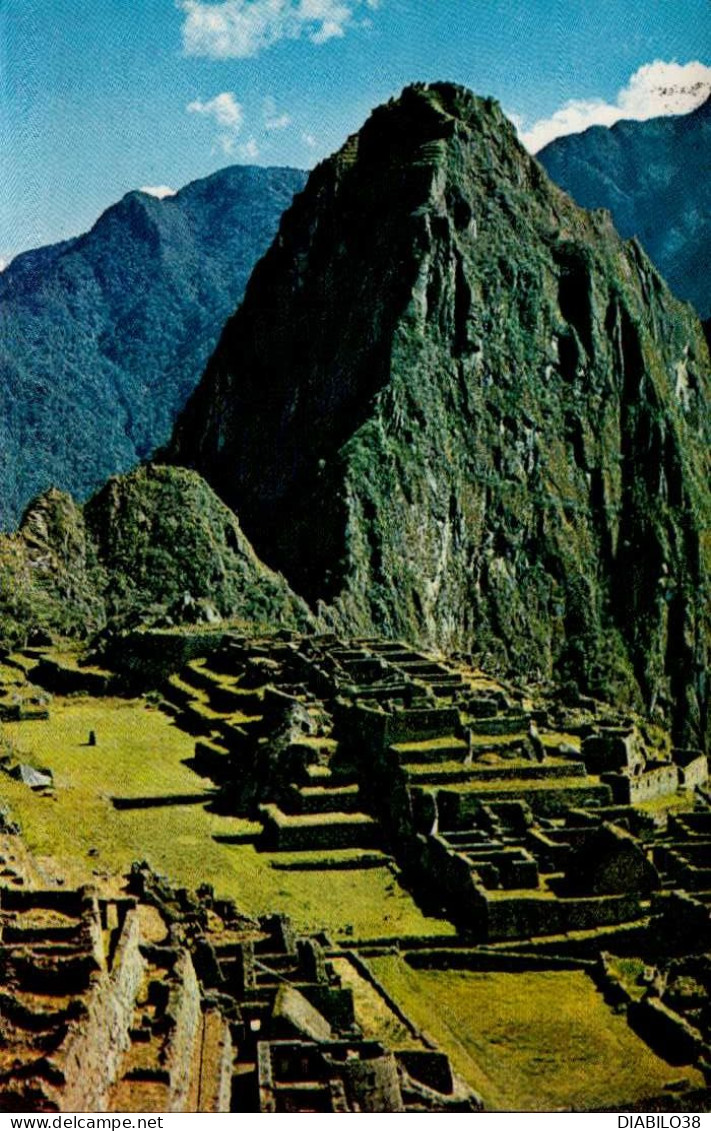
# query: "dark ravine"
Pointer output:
{"type": "Point", "coordinates": [654, 178]}
{"type": "Point", "coordinates": [455, 407]}
{"type": "Point", "coordinates": [103, 337]}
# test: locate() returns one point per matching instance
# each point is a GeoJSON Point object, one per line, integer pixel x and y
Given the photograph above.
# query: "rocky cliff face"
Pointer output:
{"type": "Point", "coordinates": [50, 576]}
{"type": "Point", "coordinates": [654, 178]}
{"type": "Point", "coordinates": [455, 407]}
{"type": "Point", "coordinates": [103, 337]}
{"type": "Point", "coordinates": [153, 547]}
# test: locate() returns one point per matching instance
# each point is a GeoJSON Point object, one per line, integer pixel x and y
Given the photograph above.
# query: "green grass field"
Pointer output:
{"type": "Point", "coordinates": [530, 1041]}
{"type": "Point", "coordinates": [139, 752]}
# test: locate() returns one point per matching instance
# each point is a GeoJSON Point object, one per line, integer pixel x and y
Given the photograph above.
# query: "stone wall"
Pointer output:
{"type": "Point", "coordinates": [612, 748]}
{"type": "Point", "coordinates": [668, 1033]}
{"type": "Point", "coordinates": [457, 808]}
{"type": "Point", "coordinates": [93, 1050]}
{"type": "Point", "coordinates": [215, 1093]}
{"type": "Point", "coordinates": [147, 658]}
{"type": "Point", "coordinates": [524, 917]}
{"type": "Point", "coordinates": [183, 1011]}
{"type": "Point", "coordinates": [693, 767]}
{"type": "Point", "coordinates": [632, 789]}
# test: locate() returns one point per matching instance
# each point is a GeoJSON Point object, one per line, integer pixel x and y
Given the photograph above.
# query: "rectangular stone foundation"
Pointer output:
{"type": "Point", "coordinates": [295, 833]}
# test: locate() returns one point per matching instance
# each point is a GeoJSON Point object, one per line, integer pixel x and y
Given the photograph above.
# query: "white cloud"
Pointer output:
{"type": "Point", "coordinates": [227, 112]}
{"type": "Point", "coordinates": [249, 150]}
{"type": "Point", "coordinates": [4, 263]}
{"type": "Point", "coordinates": [310, 140]}
{"type": "Point", "coordinates": [161, 191]}
{"type": "Point", "coordinates": [654, 90]}
{"type": "Point", "coordinates": [224, 108]}
{"type": "Point", "coordinates": [238, 29]}
{"type": "Point", "coordinates": [279, 122]}
{"type": "Point", "coordinates": [273, 120]}
{"type": "Point", "coordinates": [226, 144]}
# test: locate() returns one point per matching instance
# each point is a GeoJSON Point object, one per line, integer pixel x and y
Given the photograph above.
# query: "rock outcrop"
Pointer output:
{"type": "Point", "coordinates": [153, 547]}
{"type": "Point", "coordinates": [50, 576]}
{"type": "Point", "coordinates": [456, 408]}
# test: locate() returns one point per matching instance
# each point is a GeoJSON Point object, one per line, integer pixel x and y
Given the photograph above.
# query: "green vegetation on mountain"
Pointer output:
{"type": "Point", "coordinates": [456, 408]}
{"type": "Point", "coordinates": [104, 336]}
{"type": "Point", "coordinates": [153, 547]}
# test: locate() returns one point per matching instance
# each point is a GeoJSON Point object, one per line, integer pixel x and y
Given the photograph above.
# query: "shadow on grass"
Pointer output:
{"type": "Point", "coordinates": [236, 838]}
{"type": "Point", "coordinates": [161, 802]}
{"type": "Point", "coordinates": [197, 768]}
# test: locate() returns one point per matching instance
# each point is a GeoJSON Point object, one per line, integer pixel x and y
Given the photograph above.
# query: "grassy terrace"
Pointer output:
{"type": "Point", "coordinates": [198, 694]}
{"type": "Point", "coordinates": [139, 752]}
{"type": "Point", "coordinates": [10, 676]}
{"type": "Point", "coordinates": [372, 1011]}
{"type": "Point", "coordinates": [683, 799]}
{"type": "Point", "coordinates": [514, 785]}
{"type": "Point", "coordinates": [552, 771]}
{"type": "Point", "coordinates": [309, 820]}
{"type": "Point", "coordinates": [530, 1041]}
{"type": "Point", "coordinates": [425, 746]}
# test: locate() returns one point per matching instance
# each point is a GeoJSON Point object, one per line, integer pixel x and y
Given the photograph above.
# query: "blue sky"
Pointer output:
{"type": "Point", "coordinates": [98, 97]}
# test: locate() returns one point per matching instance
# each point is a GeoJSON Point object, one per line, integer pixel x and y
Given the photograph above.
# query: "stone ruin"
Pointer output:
{"type": "Point", "coordinates": [520, 817]}
{"type": "Point", "coordinates": [164, 1001]}
{"type": "Point", "coordinates": [517, 819]}
{"type": "Point", "coordinates": [526, 818]}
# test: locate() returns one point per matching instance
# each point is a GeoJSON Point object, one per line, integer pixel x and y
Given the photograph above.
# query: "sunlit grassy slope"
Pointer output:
{"type": "Point", "coordinates": [139, 752]}
{"type": "Point", "coordinates": [530, 1041]}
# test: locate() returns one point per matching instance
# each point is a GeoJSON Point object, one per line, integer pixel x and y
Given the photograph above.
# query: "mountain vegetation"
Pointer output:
{"type": "Point", "coordinates": [104, 336]}
{"type": "Point", "coordinates": [154, 547]}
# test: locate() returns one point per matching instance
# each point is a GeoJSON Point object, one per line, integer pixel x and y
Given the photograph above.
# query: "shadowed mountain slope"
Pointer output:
{"type": "Point", "coordinates": [457, 408]}
{"type": "Point", "coordinates": [103, 337]}
{"type": "Point", "coordinates": [655, 178]}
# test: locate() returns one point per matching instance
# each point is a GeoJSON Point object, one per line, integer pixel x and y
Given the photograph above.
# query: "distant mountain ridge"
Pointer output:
{"type": "Point", "coordinates": [103, 337]}
{"type": "Point", "coordinates": [655, 178]}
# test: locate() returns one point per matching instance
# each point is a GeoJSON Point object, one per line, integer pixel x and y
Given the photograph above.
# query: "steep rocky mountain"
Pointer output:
{"type": "Point", "coordinates": [457, 408]}
{"type": "Point", "coordinates": [155, 546]}
{"type": "Point", "coordinates": [655, 178]}
{"type": "Point", "coordinates": [103, 337]}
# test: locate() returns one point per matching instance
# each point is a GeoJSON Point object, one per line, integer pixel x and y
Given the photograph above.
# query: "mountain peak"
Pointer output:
{"type": "Point", "coordinates": [418, 123]}
{"type": "Point", "coordinates": [435, 408]}
{"type": "Point", "coordinates": [443, 101]}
